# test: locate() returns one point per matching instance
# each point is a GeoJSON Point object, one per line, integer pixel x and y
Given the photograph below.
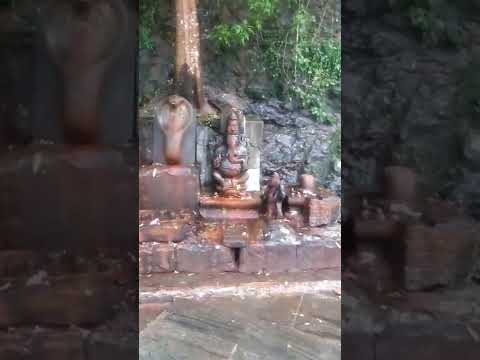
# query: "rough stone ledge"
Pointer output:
{"type": "Point", "coordinates": [247, 289]}
{"type": "Point", "coordinates": [204, 257]}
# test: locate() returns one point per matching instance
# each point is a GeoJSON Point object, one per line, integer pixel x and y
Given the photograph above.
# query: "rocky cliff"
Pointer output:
{"type": "Point", "coordinates": [410, 95]}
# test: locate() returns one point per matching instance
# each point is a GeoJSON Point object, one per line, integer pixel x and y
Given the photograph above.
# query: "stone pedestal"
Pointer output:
{"type": "Point", "coordinates": [438, 255]}
{"type": "Point", "coordinates": [231, 209]}
{"type": "Point", "coordinates": [169, 187]}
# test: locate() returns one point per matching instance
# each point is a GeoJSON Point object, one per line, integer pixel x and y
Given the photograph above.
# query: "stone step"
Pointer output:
{"type": "Point", "coordinates": [206, 257]}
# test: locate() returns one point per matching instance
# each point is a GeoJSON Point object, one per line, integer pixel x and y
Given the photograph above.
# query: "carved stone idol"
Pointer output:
{"type": "Point", "coordinates": [174, 117]}
{"type": "Point", "coordinates": [273, 197]}
{"type": "Point", "coordinates": [83, 37]}
{"type": "Point", "coordinates": [231, 158]}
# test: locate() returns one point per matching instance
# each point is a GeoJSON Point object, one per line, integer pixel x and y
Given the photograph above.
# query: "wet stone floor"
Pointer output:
{"type": "Point", "coordinates": [245, 328]}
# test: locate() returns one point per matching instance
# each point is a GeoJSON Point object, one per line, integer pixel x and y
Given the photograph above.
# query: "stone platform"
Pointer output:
{"type": "Point", "coordinates": [55, 196]}
{"type": "Point", "coordinates": [211, 248]}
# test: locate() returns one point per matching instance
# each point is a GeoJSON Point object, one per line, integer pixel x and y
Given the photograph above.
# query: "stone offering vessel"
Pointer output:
{"type": "Point", "coordinates": [231, 158]}
{"type": "Point", "coordinates": [83, 37]}
{"type": "Point", "coordinates": [174, 115]}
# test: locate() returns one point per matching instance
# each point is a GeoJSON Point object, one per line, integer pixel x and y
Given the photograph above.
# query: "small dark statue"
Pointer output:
{"type": "Point", "coordinates": [273, 197]}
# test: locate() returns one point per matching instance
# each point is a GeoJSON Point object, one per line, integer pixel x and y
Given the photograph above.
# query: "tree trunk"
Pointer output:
{"type": "Point", "coordinates": [188, 70]}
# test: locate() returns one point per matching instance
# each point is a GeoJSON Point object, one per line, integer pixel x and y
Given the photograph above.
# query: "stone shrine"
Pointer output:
{"type": "Point", "coordinates": [241, 226]}
{"type": "Point", "coordinates": [172, 181]}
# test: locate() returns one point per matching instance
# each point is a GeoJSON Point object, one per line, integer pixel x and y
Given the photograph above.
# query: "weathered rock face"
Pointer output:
{"type": "Point", "coordinates": [295, 143]}
{"type": "Point", "coordinates": [407, 103]}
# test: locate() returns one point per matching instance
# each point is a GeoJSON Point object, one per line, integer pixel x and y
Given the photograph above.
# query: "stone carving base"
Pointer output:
{"type": "Point", "coordinates": [169, 187]}
{"type": "Point", "coordinates": [223, 208]}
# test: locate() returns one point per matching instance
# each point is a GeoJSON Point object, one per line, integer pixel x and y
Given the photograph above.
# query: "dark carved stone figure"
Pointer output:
{"type": "Point", "coordinates": [230, 159]}
{"type": "Point", "coordinates": [273, 197]}
{"type": "Point", "coordinates": [83, 37]}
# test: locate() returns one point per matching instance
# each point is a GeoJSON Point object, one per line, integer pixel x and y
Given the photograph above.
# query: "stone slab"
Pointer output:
{"type": "Point", "coordinates": [196, 257]}
{"type": "Point", "coordinates": [271, 259]}
{"type": "Point", "coordinates": [438, 255]}
{"type": "Point", "coordinates": [254, 178]}
{"type": "Point", "coordinates": [319, 254]}
{"type": "Point", "coordinates": [74, 198]}
{"type": "Point", "coordinates": [281, 258]}
{"type": "Point", "coordinates": [156, 258]}
{"type": "Point", "coordinates": [252, 259]}
{"type": "Point", "coordinates": [228, 214]}
{"type": "Point", "coordinates": [254, 132]}
{"type": "Point", "coordinates": [169, 187]}
{"type": "Point", "coordinates": [235, 236]}
{"type": "Point", "coordinates": [165, 231]}
{"type": "Point", "coordinates": [204, 157]}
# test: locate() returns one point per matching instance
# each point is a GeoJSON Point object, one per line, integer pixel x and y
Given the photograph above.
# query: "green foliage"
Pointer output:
{"type": "Point", "coordinates": [239, 34]}
{"type": "Point", "coordinates": [230, 35]}
{"type": "Point", "coordinates": [303, 59]}
{"type": "Point", "coordinates": [148, 19]}
{"type": "Point", "coordinates": [211, 120]}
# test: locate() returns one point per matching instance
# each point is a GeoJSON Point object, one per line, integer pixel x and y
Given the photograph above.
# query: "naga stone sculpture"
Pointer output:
{"type": "Point", "coordinates": [174, 120]}
{"type": "Point", "coordinates": [231, 158]}
{"type": "Point", "coordinates": [83, 37]}
{"type": "Point", "coordinates": [273, 197]}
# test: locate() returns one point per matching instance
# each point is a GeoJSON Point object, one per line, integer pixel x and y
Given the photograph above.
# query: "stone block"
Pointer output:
{"type": "Point", "coordinates": [252, 259]}
{"type": "Point", "coordinates": [440, 254]}
{"type": "Point", "coordinates": [280, 258]}
{"type": "Point", "coordinates": [204, 257]}
{"type": "Point", "coordinates": [228, 214]}
{"type": "Point", "coordinates": [165, 231]}
{"type": "Point", "coordinates": [235, 235]}
{"type": "Point", "coordinates": [156, 258]}
{"type": "Point", "coordinates": [323, 212]}
{"type": "Point", "coordinates": [75, 198]}
{"type": "Point", "coordinates": [169, 187]}
{"type": "Point", "coordinates": [436, 211]}
{"type": "Point", "coordinates": [319, 254]}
